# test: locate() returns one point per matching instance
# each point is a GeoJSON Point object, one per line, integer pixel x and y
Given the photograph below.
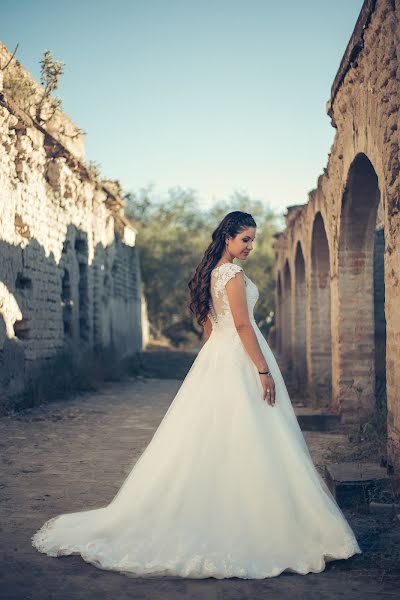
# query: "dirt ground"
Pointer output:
{"type": "Point", "coordinates": [73, 455]}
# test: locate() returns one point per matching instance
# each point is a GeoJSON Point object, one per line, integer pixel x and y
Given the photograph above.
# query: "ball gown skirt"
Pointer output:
{"type": "Point", "coordinates": [225, 488]}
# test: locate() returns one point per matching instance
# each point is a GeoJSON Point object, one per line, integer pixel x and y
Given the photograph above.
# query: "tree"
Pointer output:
{"type": "Point", "coordinates": [50, 74]}
{"type": "Point", "coordinates": [173, 233]}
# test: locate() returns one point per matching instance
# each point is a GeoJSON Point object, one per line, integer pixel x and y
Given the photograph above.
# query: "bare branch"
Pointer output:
{"type": "Point", "coordinates": [12, 56]}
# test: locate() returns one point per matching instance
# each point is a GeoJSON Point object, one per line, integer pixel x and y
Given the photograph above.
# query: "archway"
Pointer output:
{"type": "Point", "coordinates": [362, 326]}
{"type": "Point", "coordinates": [287, 316]}
{"type": "Point", "coordinates": [320, 363]}
{"type": "Point", "coordinates": [300, 359]}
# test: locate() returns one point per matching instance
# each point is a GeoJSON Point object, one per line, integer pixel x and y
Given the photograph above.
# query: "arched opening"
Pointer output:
{"type": "Point", "coordinates": [320, 365]}
{"type": "Point", "coordinates": [300, 349]}
{"type": "Point", "coordinates": [362, 326]}
{"type": "Point", "coordinates": [287, 316]}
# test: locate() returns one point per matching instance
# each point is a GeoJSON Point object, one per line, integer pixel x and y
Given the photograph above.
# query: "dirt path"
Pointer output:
{"type": "Point", "coordinates": [74, 455]}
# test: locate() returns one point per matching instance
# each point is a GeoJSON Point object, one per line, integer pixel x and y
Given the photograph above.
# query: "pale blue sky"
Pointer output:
{"type": "Point", "coordinates": [214, 95]}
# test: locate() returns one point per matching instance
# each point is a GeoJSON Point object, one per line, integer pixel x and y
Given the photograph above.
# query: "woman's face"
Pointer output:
{"type": "Point", "coordinates": [241, 245]}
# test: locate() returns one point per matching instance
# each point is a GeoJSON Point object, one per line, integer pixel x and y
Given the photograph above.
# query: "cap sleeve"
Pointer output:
{"type": "Point", "coordinates": [228, 271]}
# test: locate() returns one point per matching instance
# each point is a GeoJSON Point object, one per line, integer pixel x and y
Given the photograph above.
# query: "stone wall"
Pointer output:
{"type": "Point", "coordinates": [69, 270]}
{"type": "Point", "coordinates": [338, 259]}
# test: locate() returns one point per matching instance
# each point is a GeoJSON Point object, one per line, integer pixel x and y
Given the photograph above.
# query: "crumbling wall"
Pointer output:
{"type": "Point", "coordinates": [69, 268]}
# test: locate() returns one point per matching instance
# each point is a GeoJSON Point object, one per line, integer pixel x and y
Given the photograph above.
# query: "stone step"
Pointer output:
{"type": "Point", "coordinates": [311, 419]}
{"type": "Point", "coordinates": [358, 484]}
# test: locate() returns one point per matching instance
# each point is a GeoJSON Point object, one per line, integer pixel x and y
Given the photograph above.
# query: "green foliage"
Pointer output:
{"type": "Point", "coordinates": [20, 89]}
{"type": "Point", "coordinates": [173, 234]}
{"type": "Point", "coordinates": [24, 92]}
{"type": "Point", "coordinates": [50, 74]}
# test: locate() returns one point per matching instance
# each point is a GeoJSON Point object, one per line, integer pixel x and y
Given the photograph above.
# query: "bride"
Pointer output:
{"type": "Point", "coordinates": [226, 487]}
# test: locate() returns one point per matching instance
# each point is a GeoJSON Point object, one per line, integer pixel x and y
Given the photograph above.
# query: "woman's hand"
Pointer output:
{"type": "Point", "coordinates": [268, 385]}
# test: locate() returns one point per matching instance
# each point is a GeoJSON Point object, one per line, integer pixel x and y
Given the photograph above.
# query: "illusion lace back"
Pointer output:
{"type": "Point", "coordinates": [225, 488]}
{"type": "Point", "coordinates": [220, 312]}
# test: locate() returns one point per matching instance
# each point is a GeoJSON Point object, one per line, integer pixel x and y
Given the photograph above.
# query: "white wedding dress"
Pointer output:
{"type": "Point", "coordinates": [225, 488]}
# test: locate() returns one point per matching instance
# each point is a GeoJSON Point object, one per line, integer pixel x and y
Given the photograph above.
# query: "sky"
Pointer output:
{"type": "Point", "coordinates": [215, 96]}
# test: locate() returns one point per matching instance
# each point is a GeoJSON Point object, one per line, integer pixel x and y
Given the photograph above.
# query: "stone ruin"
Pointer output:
{"type": "Point", "coordinates": [69, 268]}
{"type": "Point", "coordinates": [338, 258]}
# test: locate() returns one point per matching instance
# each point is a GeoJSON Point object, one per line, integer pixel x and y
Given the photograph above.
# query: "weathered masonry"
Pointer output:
{"type": "Point", "coordinates": [338, 259]}
{"type": "Point", "coordinates": [69, 269]}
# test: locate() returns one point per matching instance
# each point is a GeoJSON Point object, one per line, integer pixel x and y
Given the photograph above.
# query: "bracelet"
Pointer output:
{"type": "Point", "coordinates": [265, 373]}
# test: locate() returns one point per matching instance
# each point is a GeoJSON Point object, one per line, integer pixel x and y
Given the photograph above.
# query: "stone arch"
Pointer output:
{"type": "Point", "coordinates": [320, 343]}
{"type": "Point", "coordinates": [300, 362]}
{"type": "Point", "coordinates": [287, 315]}
{"type": "Point", "coordinates": [362, 326]}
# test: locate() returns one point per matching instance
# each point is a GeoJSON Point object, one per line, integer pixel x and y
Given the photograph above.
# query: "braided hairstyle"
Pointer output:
{"type": "Point", "coordinates": [199, 286]}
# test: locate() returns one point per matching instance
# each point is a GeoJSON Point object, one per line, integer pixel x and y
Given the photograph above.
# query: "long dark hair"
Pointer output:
{"type": "Point", "coordinates": [199, 286]}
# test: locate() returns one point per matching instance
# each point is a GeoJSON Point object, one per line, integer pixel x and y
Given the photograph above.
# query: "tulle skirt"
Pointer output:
{"type": "Point", "coordinates": [225, 488]}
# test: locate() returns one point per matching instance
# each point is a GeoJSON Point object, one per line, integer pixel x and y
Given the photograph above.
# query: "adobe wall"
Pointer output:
{"type": "Point", "coordinates": [69, 269]}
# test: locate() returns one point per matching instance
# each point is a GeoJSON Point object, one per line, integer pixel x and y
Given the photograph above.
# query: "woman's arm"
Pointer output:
{"type": "Point", "coordinates": [236, 292]}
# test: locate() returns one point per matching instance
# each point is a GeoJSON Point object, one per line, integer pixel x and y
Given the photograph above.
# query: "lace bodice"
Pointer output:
{"type": "Point", "coordinates": [220, 313]}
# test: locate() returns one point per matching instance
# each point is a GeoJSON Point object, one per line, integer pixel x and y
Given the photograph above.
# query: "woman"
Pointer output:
{"type": "Point", "coordinates": [226, 487]}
